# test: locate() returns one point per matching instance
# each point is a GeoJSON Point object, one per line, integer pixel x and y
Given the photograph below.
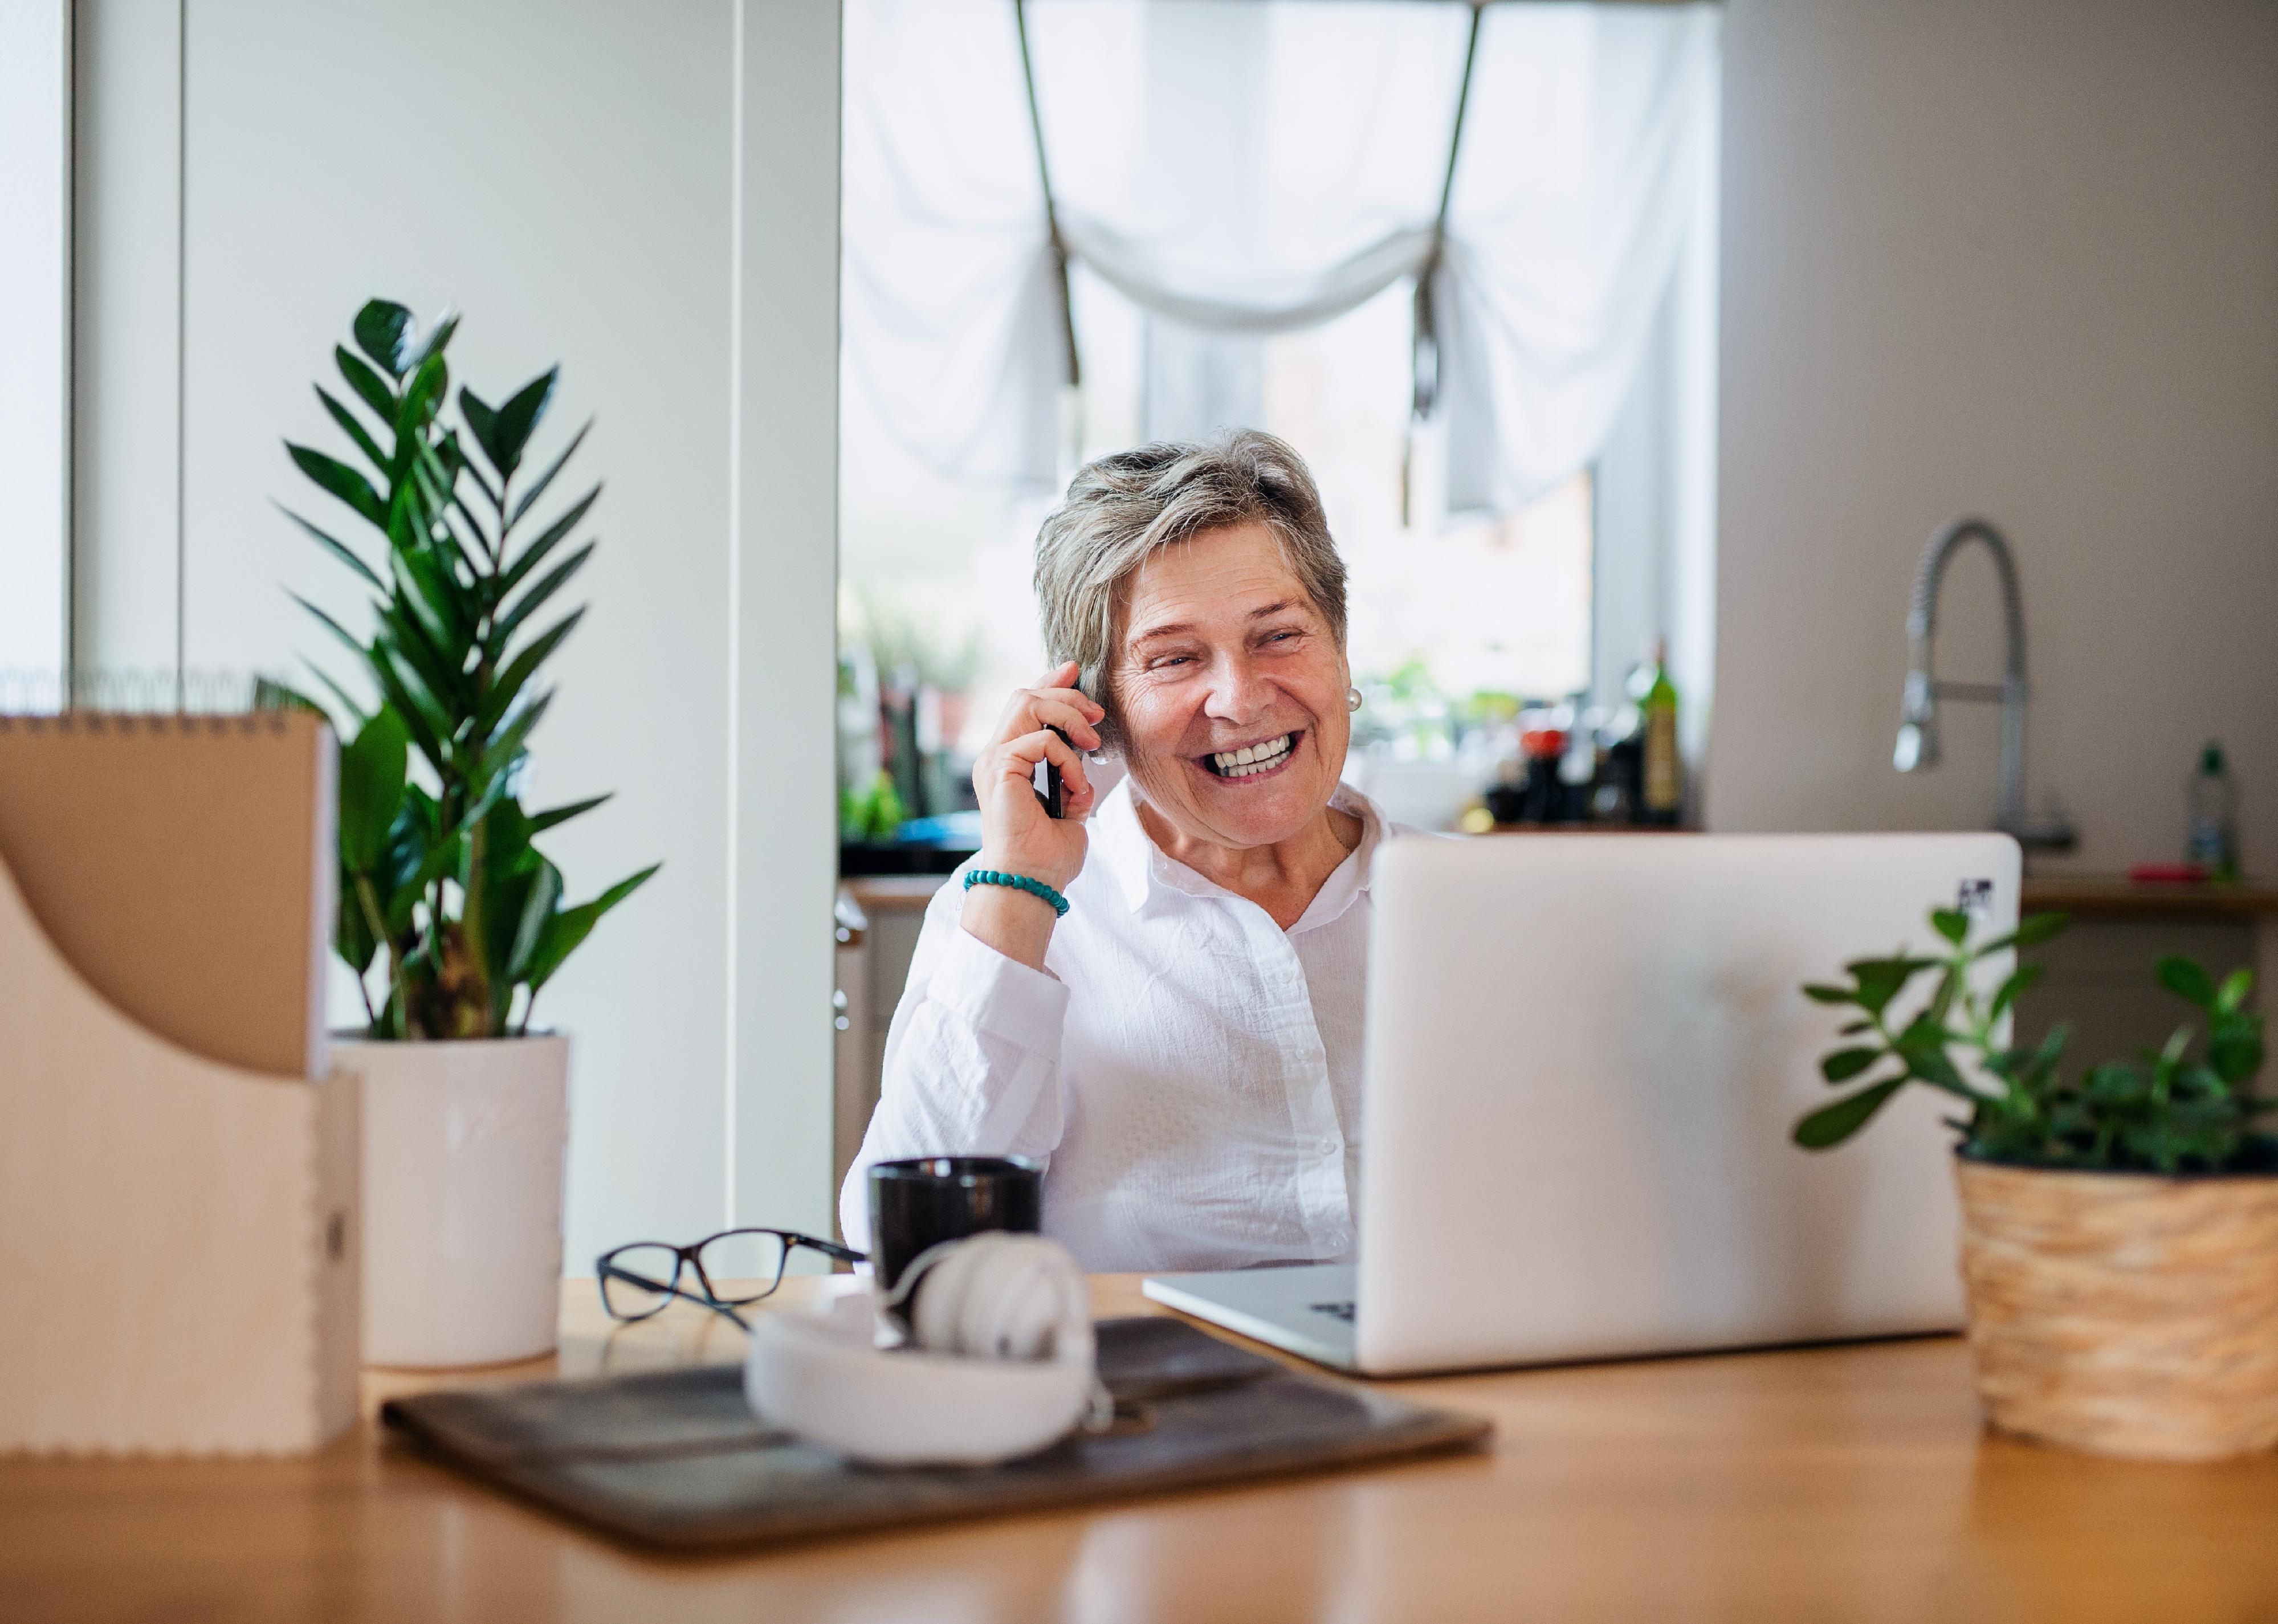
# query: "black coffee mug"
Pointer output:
{"type": "Point", "coordinates": [928, 1200]}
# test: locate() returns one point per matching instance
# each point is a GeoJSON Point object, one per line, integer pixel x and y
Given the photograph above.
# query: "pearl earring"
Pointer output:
{"type": "Point", "coordinates": [1352, 698]}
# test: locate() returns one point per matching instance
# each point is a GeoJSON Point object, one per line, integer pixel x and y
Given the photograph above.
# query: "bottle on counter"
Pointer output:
{"type": "Point", "coordinates": [1621, 765]}
{"type": "Point", "coordinates": [2214, 843]}
{"type": "Point", "coordinates": [1661, 792]}
{"type": "Point", "coordinates": [1543, 734]}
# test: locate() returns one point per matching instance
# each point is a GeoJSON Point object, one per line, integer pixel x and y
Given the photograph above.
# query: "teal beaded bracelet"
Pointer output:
{"type": "Point", "coordinates": [1019, 882]}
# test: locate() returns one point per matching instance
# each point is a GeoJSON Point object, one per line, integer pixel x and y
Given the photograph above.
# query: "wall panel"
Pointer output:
{"type": "Point", "coordinates": [2000, 257]}
{"type": "Point", "coordinates": [565, 175]}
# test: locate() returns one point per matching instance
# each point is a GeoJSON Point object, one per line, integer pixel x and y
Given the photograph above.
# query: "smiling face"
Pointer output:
{"type": "Point", "coordinates": [1231, 691]}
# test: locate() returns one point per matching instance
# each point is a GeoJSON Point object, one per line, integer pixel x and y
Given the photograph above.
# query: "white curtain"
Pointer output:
{"type": "Point", "coordinates": [1261, 167]}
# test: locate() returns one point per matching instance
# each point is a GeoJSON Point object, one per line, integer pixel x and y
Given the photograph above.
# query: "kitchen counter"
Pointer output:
{"type": "Point", "coordinates": [2111, 896]}
{"type": "Point", "coordinates": [1854, 1482]}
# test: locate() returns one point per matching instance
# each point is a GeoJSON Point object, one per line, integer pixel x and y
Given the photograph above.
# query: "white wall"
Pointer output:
{"type": "Point", "coordinates": [34, 321]}
{"type": "Point", "coordinates": [646, 194]}
{"type": "Point", "coordinates": [126, 599]}
{"type": "Point", "coordinates": [2020, 259]}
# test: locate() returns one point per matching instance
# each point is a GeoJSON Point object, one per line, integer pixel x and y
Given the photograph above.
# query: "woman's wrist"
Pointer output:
{"type": "Point", "coordinates": [1016, 923]}
{"type": "Point", "coordinates": [1002, 860]}
{"type": "Point", "coordinates": [1016, 882]}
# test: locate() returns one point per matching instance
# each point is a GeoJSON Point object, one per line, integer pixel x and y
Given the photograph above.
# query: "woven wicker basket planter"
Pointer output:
{"type": "Point", "coordinates": [2124, 1314]}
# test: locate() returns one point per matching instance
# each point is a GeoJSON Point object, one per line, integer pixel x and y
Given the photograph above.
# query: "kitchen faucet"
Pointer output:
{"type": "Point", "coordinates": [1918, 746]}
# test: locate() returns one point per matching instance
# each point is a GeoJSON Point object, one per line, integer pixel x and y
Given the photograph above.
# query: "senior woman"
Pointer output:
{"type": "Point", "coordinates": [1181, 1044]}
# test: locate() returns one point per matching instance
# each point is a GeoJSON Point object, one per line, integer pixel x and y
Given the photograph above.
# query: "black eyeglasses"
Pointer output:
{"type": "Point", "coordinates": [733, 1270]}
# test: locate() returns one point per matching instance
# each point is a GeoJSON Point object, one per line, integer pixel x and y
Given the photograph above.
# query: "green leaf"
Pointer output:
{"type": "Point", "coordinates": [354, 711]}
{"type": "Point", "coordinates": [539, 822]}
{"type": "Point", "coordinates": [428, 720]}
{"type": "Point", "coordinates": [354, 430]}
{"type": "Point", "coordinates": [506, 896]}
{"type": "Point", "coordinates": [437, 601]}
{"type": "Point", "coordinates": [519, 417]}
{"type": "Point", "coordinates": [424, 499]}
{"type": "Point", "coordinates": [538, 487]}
{"type": "Point", "coordinates": [2237, 986]}
{"type": "Point", "coordinates": [407, 642]}
{"type": "Point", "coordinates": [435, 862]}
{"type": "Point", "coordinates": [336, 549]}
{"type": "Point", "coordinates": [1820, 993]}
{"type": "Point", "coordinates": [379, 328]}
{"type": "Point", "coordinates": [333, 626]}
{"type": "Point", "coordinates": [1882, 979]}
{"type": "Point", "coordinates": [2044, 1058]}
{"type": "Point", "coordinates": [1950, 923]}
{"type": "Point", "coordinates": [503, 750]}
{"type": "Point", "coordinates": [450, 448]}
{"type": "Point", "coordinates": [439, 337]}
{"type": "Point", "coordinates": [2032, 930]}
{"type": "Point", "coordinates": [268, 694]}
{"type": "Point", "coordinates": [567, 929]}
{"type": "Point", "coordinates": [1831, 1125]}
{"type": "Point", "coordinates": [1846, 1064]}
{"type": "Point", "coordinates": [368, 385]}
{"type": "Point", "coordinates": [373, 770]}
{"type": "Point", "coordinates": [2187, 980]}
{"type": "Point", "coordinates": [2235, 1055]}
{"type": "Point", "coordinates": [1941, 1001]}
{"type": "Point", "coordinates": [545, 900]}
{"type": "Point", "coordinates": [2019, 982]}
{"type": "Point", "coordinates": [482, 421]}
{"type": "Point", "coordinates": [352, 937]}
{"type": "Point", "coordinates": [422, 396]}
{"type": "Point", "coordinates": [2116, 1083]}
{"type": "Point", "coordinates": [528, 559]}
{"type": "Point", "coordinates": [520, 669]}
{"type": "Point", "coordinates": [531, 600]}
{"type": "Point", "coordinates": [1925, 1056]}
{"type": "Point", "coordinates": [341, 481]}
{"type": "Point", "coordinates": [1852, 1029]}
{"type": "Point", "coordinates": [506, 838]}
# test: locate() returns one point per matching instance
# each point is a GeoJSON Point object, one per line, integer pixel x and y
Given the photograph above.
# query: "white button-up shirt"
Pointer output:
{"type": "Point", "coordinates": [1187, 1071]}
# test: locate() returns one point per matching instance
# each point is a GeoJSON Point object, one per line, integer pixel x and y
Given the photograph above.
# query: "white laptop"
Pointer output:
{"type": "Point", "coordinates": [1584, 1057]}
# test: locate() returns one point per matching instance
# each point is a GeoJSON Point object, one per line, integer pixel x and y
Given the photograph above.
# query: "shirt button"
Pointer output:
{"type": "Point", "coordinates": [1337, 1238]}
{"type": "Point", "coordinates": [1327, 1146]}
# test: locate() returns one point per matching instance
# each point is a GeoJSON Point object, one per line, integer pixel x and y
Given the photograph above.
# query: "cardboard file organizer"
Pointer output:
{"type": "Point", "coordinates": [179, 1234]}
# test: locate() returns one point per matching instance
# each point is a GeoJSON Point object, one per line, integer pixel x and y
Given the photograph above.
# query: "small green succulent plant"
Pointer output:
{"type": "Point", "coordinates": [2189, 1105]}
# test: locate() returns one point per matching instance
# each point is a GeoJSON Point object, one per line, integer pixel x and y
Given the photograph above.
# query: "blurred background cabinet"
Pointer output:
{"type": "Point", "coordinates": [2100, 976]}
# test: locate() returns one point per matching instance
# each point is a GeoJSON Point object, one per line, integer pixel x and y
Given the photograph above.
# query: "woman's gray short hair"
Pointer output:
{"type": "Point", "coordinates": [1122, 507]}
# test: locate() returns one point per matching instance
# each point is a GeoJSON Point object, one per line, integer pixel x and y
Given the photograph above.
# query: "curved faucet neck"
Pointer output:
{"type": "Point", "coordinates": [1929, 576]}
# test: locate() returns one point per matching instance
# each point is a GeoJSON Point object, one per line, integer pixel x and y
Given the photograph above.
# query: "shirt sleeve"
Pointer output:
{"type": "Point", "coordinates": [973, 1059]}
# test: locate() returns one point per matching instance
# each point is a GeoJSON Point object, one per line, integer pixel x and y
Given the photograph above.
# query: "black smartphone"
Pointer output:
{"type": "Point", "coordinates": [1049, 794]}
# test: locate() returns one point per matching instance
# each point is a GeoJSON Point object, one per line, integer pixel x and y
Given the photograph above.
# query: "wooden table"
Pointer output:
{"type": "Point", "coordinates": [1837, 1484]}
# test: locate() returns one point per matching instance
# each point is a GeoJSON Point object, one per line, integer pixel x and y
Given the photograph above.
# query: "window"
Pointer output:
{"type": "Point", "coordinates": [946, 469]}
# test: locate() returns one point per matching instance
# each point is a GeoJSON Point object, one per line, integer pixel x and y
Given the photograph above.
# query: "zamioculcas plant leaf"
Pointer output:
{"type": "Point", "coordinates": [2174, 1109]}
{"type": "Point", "coordinates": [441, 887]}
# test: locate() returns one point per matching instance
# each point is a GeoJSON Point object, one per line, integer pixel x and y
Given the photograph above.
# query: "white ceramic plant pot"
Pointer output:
{"type": "Point", "coordinates": [464, 1146]}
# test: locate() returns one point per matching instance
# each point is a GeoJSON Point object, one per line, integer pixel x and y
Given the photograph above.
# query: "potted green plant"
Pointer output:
{"type": "Point", "coordinates": [445, 899]}
{"type": "Point", "coordinates": [2119, 1226]}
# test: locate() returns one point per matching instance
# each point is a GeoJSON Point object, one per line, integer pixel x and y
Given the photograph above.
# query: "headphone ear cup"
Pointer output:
{"type": "Point", "coordinates": [1000, 1362]}
{"type": "Point", "coordinates": [1001, 1296]}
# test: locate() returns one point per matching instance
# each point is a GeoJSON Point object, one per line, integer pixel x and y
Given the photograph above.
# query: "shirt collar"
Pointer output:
{"type": "Point", "coordinates": [1139, 867]}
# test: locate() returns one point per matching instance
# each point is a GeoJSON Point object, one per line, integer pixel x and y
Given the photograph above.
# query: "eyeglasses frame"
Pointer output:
{"type": "Point", "coordinates": [685, 1258]}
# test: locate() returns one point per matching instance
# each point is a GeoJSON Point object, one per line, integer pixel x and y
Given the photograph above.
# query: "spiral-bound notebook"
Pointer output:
{"type": "Point", "coordinates": [184, 865]}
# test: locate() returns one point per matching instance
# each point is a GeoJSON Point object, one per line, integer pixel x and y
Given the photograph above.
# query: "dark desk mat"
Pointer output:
{"type": "Point", "coordinates": [676, 1458]}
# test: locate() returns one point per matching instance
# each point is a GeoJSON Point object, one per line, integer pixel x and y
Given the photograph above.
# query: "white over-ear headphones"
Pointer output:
{"type": "Point", "coordinates": [1000, 1361]}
